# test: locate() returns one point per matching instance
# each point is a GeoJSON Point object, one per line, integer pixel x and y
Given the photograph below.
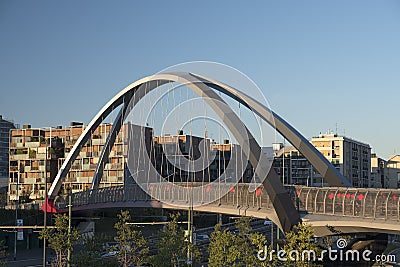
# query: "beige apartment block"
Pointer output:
{"type": "Point", "coordinates": [393, 167]}
{"type": "Point", "coordinates": [292, 166]}
{"type": "Point", "coordinates": [36, 154]}
{"type": "Point", "coordinates": [352, 158]}
{"type": "Point", "coordinates": [379, 172]}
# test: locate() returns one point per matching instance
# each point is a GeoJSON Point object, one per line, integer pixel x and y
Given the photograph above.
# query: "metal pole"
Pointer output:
{"type": "Point", "coordinates": [277, 238]}
{"type": "Point", "coordinates": [283, 163]}
{"type": "Point", "coordinates": [272, 234]}
{"type": "Point", "coordinates": [190, 232]}
{"type": "Point", "coordinates": [16, 217]}
{"type": "Point", "coordinates": [287, 182]}
{"type": "Point", "coordinates": [69, 227]}
{"type": "Point", "coordinates": [45, 200]}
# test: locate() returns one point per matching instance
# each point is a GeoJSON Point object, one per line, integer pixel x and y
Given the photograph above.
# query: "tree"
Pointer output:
{"type": "Point", "coordinates": [59, 239]}
{"type": "Point", "coordinates": [300, 247]}
{"type": "Point", "coordinates": [248, 243]}
{"type": "Point", "coordinates": [221, 248]}
{"type": "Point", "coordinates": [171, 246]}
{"type": "Point", "coordinates": [133, 247]}
{"type": "Point", "coordinates": [3, 254]}
{"type": "Point", "coordinates": [228, 249]}
{"type": "Point", "coordinates": [90, 251]}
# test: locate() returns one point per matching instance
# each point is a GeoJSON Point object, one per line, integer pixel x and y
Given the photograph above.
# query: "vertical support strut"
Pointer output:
{"type": "Point", "coordinates": [105, 152]}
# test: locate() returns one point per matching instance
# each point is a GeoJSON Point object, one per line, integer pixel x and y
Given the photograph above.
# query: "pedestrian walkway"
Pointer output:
{"type": "Point", "coordinates": [28, 257]}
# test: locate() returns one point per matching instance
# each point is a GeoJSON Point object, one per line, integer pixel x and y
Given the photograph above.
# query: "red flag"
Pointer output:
{"type": "Point", "coordinates": [258, 192]}
{"type": "Point", "coordinates": [49, 206]}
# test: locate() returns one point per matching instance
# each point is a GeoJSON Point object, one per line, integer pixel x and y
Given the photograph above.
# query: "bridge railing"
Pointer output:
{"type": "Point", "coordinates": [237, 196]}
{"type": "Point", "coordinates": [381, 204]}
{"type": "Point", "coordinates": [354, 202]}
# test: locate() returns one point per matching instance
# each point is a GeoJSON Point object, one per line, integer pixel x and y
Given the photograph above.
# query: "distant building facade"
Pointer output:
{"type": "Point", "coordinates": [379, 172]}
{"type": "Point", "coordinates": [5, 127]}
{"type": "Point", "coordinates": [393, 167]}
{"type": "Point", "coordinates": [292, 166]}
{"type": "Point", "coordinates": [178, 148]}
{"type": "Point", "coordinates": [36, 154]}
{"type": "Point", "coordinates": [350, 157]}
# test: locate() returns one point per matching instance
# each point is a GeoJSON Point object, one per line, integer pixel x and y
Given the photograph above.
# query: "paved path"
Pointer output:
{"type": "Point", "coordinates": [30, 257]}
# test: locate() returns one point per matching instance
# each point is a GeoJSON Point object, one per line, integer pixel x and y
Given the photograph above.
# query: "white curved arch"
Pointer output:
{"type": "Point", "coordinates": [272, 183]}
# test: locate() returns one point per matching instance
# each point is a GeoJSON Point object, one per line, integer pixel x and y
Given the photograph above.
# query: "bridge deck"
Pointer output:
{"type": "Point", "coordinates": [324, 207]}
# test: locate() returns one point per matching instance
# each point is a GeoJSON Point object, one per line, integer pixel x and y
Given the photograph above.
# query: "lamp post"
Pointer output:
{"type": "Point", "coordinates": [16, 217]}
{"type": "Point", "coordinates": [69, 225]}
{"type": "Point", "coordinates": [190, 220]}
{"type": "Point", "coordinates": [45, 197]}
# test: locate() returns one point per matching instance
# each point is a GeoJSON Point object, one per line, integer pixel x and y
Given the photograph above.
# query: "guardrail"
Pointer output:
{"type": "Point", "coordinates": [354, 202]}
{"type": "Point", "coordinates": [338, 201]}
{"type": "Point", "coordinates": [238, 196]}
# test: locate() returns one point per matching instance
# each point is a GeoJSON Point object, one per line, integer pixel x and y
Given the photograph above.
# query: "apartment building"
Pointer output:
{"type": "Point", "coordinates": [173, 151]}
{"type": "Point", "coordinates": [37, 154]}
{"type": "Point", "coordinates": [230, 163]}
{"type": "Point", "coordinates": [379, 172]}
{"type": "Point", "coordinates": [5, 127]}
{"type": "Point", "coordinates": [393, 168]}
{"type": "Point", "coordinates": [31, 161]}
{"type": "Point", "coordinates": [350, 157]}
{"type": "Point", "coordinates": [83, 168]}
{"type": "Point", "coordinates": [292, 166]}
{"type": "Point", "coordinates": [385, 173]}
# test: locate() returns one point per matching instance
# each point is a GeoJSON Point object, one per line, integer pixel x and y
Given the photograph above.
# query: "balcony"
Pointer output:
{"type": "Point", "coordinates": [113, 166]}
{"type": "Point", "coordinates": [32, 144]}
{"type": "Point", "coordinates": [97, 142]}
{"type": "Point", "coordinates": [19, 156]}
{"type": "Point", "coordinates": [76, 167]}
{"type": "Point", "coordinates": [41, 156]}
{"type": "Point", "coordinates": [13, 168]}
{"type": "Point", "coordinates": [83, 179]}
{"type": "Point", "coordinates": [86, 167]}
{"type": "Point", "coordinates": [112, 179]}
{"type": "Point", "coordinates": [85, 154]}
{"type": "Point", "coordinates": [30, 180]}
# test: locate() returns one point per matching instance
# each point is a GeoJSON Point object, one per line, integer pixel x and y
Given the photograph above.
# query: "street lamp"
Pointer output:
{"type": "Point", "coordinates": [69, 192]}
{"type": "Point", "coordinates": [45, 195]}
{"type": "Point", "coordinates": [16, 216]}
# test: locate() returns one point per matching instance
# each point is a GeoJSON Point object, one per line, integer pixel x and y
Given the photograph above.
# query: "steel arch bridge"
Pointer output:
{"type": "Point", "coordinates": [329, 210]}
{"type": "Point", "coordinates": [284, 212]}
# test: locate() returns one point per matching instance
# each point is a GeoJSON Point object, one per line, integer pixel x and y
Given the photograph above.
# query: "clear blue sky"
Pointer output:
{"type": "Point", "coordinates": [318, 62]}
